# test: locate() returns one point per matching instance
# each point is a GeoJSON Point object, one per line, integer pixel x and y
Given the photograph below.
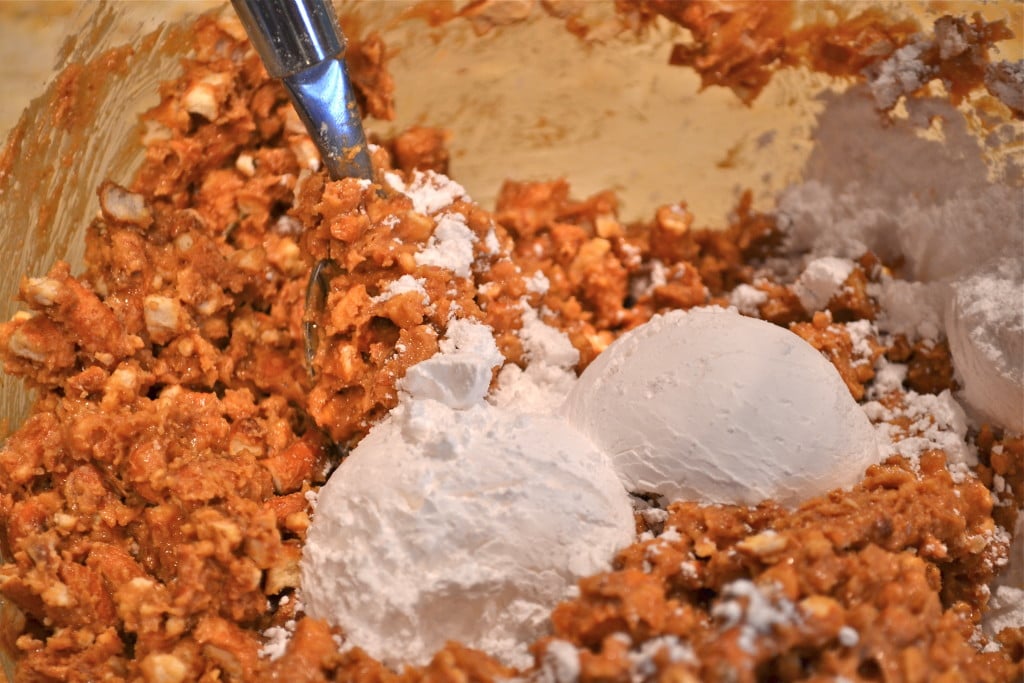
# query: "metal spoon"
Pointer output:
{"type": "Point", "coordinates": [299, 42]}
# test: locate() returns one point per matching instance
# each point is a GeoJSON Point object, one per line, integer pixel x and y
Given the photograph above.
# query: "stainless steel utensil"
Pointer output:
{"type": "Point", "coordinates": [299, 42]}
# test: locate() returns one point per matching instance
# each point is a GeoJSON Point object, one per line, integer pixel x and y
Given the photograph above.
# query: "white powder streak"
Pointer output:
{"type": "Point", "coordinates": [429, 191]}
{"type": "Point", "coordinates": [403, 285]}
{"type": "Point", "coordinates": [450, 247]}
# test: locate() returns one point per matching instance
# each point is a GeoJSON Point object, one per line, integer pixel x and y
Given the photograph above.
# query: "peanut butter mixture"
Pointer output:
{"type": "Point", "coordinates": [740, 45]}
{"type": "Point", "coordinates": [155, 502]}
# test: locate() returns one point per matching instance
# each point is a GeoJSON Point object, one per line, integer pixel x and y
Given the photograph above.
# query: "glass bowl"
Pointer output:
{"type": "Point", "coordinates": [522, 95]}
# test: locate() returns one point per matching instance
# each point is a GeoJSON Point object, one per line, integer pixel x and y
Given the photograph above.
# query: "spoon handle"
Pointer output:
{"type": "Point", "coordinates": [299, 42]}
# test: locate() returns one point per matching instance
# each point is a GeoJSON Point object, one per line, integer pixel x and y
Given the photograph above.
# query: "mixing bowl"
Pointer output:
{"type": "Point", "coordinates": [527, 90]}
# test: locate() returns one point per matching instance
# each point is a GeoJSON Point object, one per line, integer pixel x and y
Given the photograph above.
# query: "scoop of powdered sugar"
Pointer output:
{"type": "Point", "coordinates": [713, 406]}
{"type": "Point", "coordinates": [458, 520]}
{"type": "Point", "coordinates": [928, 202]}
{"type": "Point", "coordinates": [985, 327]}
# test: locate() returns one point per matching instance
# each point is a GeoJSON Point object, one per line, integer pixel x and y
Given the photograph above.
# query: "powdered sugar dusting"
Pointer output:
{"type": "Point", "coordinates": [668, 648]}
{"type": "Point", "coordinates": [450, 247]}
{"type": "Point", "coordinates": [278, 638]}
{"type": "Point", "coordinates": [548, 377]}
{"type": "Point", "coordinates": [406, 520]}
{"type": "Point", "coordinates": [538, 283]}
{"type": "Point", "coordinates": [861, 333]}
{"type": "Point", "coordinates": [491, 242]}
{"type": "Point", "coordinates": [429, 191]}
{"type": "Point", "coordinates": [935, 422]}
{"type": "Point", "coordinates": [755, 611]}
{"type": "Point", "coordinates": [403, 285]}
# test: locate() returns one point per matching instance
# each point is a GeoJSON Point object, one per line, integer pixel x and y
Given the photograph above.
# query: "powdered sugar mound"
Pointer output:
{"type": "Point", "coordinates": [549, 375]}
{"type": "Point", "coordinates": [985, 327]}
{"type": "Point", "coordinates": [913, 309]}
{"type": "Point", "coordinates": [807, 209]}
{"type": "Point", "coordinates": [929, 202]}
{"type": "Point", "coordinates": [939, 239]}
{"type": "Point", "coordinates": [712, 406]}
{"type": "Point", "coordinates": [450, 247]}
{"type": "Point", "coordinates": [949, 238]}
{"type": "Point", "coordinates": [890, 190]}
{"type": "Point", "coordinates": [408, 521]}
{"type": "Point", "coordinates": [429, 191]}
{"type": "Point", "coordinates": [830, 222]}
{"type": "Point", "coordinates": [822, 279]}
{"type": "Point", "coordinates": [461, 374]}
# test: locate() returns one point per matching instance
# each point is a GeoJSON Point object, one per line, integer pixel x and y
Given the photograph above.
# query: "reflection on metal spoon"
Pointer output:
{"type": "Point", "coordinates": [317, 289]}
